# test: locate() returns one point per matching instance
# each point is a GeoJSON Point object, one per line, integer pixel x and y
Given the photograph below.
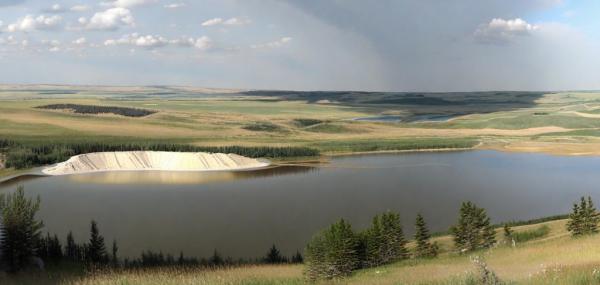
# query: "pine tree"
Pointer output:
{"type": "Point", "coordinates": [507, 232]}
{"type": "Point", "coordinates": [21, 231]}
{"type": "Point", "coordinates": [96, 247]}
{"type": "Point", "coordinates": [574, 223]}
{"type": "Point", "coordinates": [593, 217]}
{"type": "Point", "coordinates": [384, 241]}
{"type": "Point", "coordinates": [274, 256]}
{"type": "Point", "coordinates": [332, 252]}
{"type": "Point", "coordinates": [297, 258]}
{"type": "Point", "coordinates": [114, 257]}
{"type": "Point", "coordinates": [424, 247]}
{"type": "Point", "coordinates": [216, 259]}
{"type": "Point", "coordinates": [71, 251]}
{"type": "Point", "coordinates": [473, 230]}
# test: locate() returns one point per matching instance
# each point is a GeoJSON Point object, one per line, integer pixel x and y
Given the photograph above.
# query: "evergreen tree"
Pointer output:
{"type": "Point", "coordinates": [71, 250]}
{"type": "Point", "coordinates": [274, 256]}
{"type": "Point", "coordinates": [488, 234]}
{"type": "Point", "coordinates": [473, 230]}
{"type": "Point", "coordinates": [584, 218]}
{"type": "Point", "coordinates": [507, 232]}
{"type": "Point", "coordinates": [114, 258]}
{"type": "Point", "coordinates": [96, 252]}
{"type": "Point", "coordinates": [574, 223]}
{"type": "Point", "coordinates": [332, 252]}
{"type": "Point", "coordinates": [55, 253]}
{"type": "Point", "coordinates": [384, 241]}
{"type": "Point", "coordinates": [20, 234]}
{"type": "Point", "coordinates": [216, 259]}
{"type": "Point", "coordinates": [297, 258]}
{"type": "Point", "coordinates": [424, 247]}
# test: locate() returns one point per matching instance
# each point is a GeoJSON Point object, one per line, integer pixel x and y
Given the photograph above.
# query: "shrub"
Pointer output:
{"type": "Point", "coordinates": [306, 122]}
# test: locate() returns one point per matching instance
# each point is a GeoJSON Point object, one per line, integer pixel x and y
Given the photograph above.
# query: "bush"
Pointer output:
{"type": "Point", "coordinates": [524, 236]}
{"type": "Point", "coordinates": [263, 127]}
{"type": "Point", "coordinates": [306, 122]}
{"type": "Point", "coordinates": [332, 253]}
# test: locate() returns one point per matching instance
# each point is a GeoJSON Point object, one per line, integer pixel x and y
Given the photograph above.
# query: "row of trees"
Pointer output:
{"type": "Point", "coordinates": [93, 109]}
{"type": "Point", "coordinates": [22, 244]}
{"type": "Point", "coordinates": [26, 155]}
{"type": "Point", "coordinates": [338, 250]}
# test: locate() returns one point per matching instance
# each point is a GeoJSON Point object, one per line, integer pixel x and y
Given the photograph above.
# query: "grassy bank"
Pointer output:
{"type": "Point", "coordinates": [395, 145]}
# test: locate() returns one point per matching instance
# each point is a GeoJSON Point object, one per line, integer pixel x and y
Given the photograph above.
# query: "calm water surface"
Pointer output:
{"type": "Point", "coordinates": [243, 213]}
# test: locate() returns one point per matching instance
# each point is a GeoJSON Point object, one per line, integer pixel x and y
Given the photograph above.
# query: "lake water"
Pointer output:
{"type": "Point", "coordinates": [243, 213]}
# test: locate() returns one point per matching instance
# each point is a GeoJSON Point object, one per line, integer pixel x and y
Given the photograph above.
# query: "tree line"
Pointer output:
{"type": "Point", "coordinates": [22, 245]}
{"type": "Point", "coordinates": [94, 109]}
{"type": "Point", "coordinates": [26, 155]}
{"type": "Point", "coordinates": [338, 250]}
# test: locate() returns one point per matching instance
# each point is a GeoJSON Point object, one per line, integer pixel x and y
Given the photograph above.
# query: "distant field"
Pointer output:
{"type": "Point", "coordinates": [212, 117]}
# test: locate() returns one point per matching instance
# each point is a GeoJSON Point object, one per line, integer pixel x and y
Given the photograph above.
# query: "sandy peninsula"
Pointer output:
{"type": "Point", "coordinates": [153, 160]}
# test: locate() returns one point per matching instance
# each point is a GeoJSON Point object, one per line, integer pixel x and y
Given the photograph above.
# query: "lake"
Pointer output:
{"type": "Point", "coordinates": [241, 214]}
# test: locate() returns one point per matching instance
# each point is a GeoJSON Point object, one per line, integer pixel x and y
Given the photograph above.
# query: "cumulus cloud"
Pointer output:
{"type": "Point", "coordinates": [145, 41]}
{"type": "Point", "coordinates": [500, 31]}
{"type": "Point", "coordinates": [30, 23]}
{"type": "Point", "coordinates": [174, 5]}
{"type": "Point", "coordinates": [229, 22]}
{"type": "Point", "coordinates": [156, 41]}
{"type": "Point", "coordinates": [110, 19]}
{"type": "Point", "coordinates": [79, 8]}
{"type": "Point", "coordinates": [274, 44]}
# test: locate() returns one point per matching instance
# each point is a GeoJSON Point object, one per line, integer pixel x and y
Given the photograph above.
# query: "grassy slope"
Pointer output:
{"type": "Point", "coordinates": [553, 259]}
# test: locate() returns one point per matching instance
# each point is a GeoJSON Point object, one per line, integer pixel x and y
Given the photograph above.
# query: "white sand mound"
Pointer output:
{"type": "Point", "coordinates": [153, 160]}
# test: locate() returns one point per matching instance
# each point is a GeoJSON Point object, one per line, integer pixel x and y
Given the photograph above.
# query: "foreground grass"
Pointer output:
{"type": "Point", "coordinates": [551, 258]}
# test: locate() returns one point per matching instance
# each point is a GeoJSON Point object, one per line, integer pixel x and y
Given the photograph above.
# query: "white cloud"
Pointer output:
{"type": "Point", "coordinates": [229, 22]}
{"type": "Point", "coordinates": [147, 41]}
{"type": "Point", "coordinates": [500, 31]}
{"type": "Point", "coordinates": [274, 44]}
{"type": "Point", "coordinates": [110, 19]}
{"type": "Point", "coordinates": [174, 5]}
{"type": "Point", "coordinates": [80, 8]}
{"type": "Point", "coordinates": [80, 41]}
{"type": "Point", "coordinates": [212, 22]}
{"type": "Point", "coordinates": [30, 23]}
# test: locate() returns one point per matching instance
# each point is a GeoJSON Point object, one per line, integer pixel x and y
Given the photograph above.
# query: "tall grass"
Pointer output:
{"type": "Point", "coordinates": [536, 233]}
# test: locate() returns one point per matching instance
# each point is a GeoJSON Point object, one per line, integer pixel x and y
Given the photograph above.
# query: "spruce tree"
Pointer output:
{"type": "Point", "coordinates": [574, 225]}
{"type": "Point", "coordinates": [274, 256]}
{"type": "Point", "coordinates": [424, 247]}
{"type": "Point", "coordinates": [384, 241]}
{"type": "Point", "coordinates": [473, 230]}
{"type": "Point", "coordinates": [297, 258]}
{"type": "Point", "coordinates": [114, 258]}
{"type": "Point", "coordinates": [96, 247]}
{"type": "Point", "coordinates": [216, 259]}
{"type": "Point", "coordinates": [507, 232]}
{"type": "Point", "coordinates": [21, 232]}
{"type": "Point", "coordinates": [332, 252]}
{"type": "Point", "coordinates": [71, 251]}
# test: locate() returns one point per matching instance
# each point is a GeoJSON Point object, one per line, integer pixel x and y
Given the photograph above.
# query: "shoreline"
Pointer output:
{"type": "Point", "coordinates": [480, 146]}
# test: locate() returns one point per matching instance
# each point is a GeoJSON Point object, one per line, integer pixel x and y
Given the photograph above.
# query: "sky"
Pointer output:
{"type": "Point", "coordinates": [383, 45]}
